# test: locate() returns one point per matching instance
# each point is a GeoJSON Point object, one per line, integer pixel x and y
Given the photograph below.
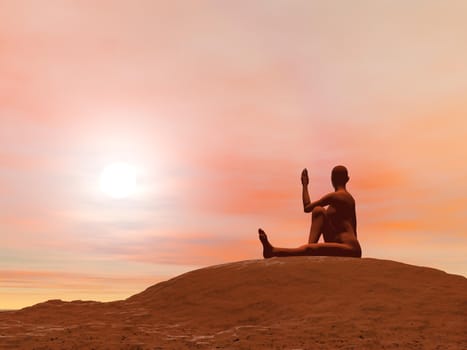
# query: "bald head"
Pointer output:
{"type": "Point", "coordinates": [339, 176]}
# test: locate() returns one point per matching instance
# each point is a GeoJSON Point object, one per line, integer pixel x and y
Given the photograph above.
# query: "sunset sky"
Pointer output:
{"type": "Point", "coordinates": [218, 106]}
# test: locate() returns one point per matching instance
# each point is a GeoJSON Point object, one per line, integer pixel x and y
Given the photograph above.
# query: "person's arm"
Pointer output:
{"type": "Point", "coordinates": [322, 202]}
{"type": "Point", "coordinates": [308, 205]}
{"type": "Point", "coordinates": [305, 194]}
{"type": "Point", "coordinates": [305, 197]}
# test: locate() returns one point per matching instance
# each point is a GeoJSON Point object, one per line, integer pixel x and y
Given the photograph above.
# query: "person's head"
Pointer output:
{"type": "Point", "coordinates": [339, 176]}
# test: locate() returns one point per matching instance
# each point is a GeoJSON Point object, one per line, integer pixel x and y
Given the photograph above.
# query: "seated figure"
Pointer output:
{"type": "Point", "coordinates": [337, 223]}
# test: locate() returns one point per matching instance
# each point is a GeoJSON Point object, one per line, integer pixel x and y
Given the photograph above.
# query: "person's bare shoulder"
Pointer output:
{"type": "Point", "coordinates": [344, 197]}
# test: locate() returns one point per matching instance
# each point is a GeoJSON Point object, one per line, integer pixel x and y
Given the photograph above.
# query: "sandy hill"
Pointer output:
{"type": "Point", "coordinates": [279, 303]}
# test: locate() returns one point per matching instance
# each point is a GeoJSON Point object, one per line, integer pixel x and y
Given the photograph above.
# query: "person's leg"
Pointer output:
{"type": "Point", "coordinates": [314, 249]}
{"type": "Point", "coordinates": [318, 221]}
{"type": "Point", "coordinates": [318, 249]}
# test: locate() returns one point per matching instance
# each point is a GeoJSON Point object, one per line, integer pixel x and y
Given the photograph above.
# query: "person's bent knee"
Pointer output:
{"type": "Point", "coordinates": [318, 211]}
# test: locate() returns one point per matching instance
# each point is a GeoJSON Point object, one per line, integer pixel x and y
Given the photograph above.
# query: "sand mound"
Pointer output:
{"type": "Point", "coordinates": [279, 303]}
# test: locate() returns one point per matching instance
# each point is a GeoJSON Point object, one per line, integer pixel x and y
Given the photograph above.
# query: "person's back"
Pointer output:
{"type": "Point", "coordinates": [341, 223]}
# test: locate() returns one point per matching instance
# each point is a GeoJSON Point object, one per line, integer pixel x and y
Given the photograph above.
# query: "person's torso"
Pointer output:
{"type": "Point", "coordinates": [341, 217]}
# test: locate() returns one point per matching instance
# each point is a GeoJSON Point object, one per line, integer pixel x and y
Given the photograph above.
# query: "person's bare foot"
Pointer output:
{"type": "Point", "coordinates": [267, 247]}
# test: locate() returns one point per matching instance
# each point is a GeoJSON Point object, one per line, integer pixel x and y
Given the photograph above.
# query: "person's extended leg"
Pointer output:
{"type": "Point", "coordinates": [318, 249]}
{"type": "Point", "coordinates": [318, 217]}
{"type": "Point", "coordinates": [315, 249]}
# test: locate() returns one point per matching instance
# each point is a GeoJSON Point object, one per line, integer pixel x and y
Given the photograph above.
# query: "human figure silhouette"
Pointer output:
{"type": "Point", "coordinates": [338, 223]}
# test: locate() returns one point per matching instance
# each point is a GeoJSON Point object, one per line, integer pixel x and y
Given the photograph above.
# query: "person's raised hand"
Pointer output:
{"type": "Point", "coordinates": [305, 179]}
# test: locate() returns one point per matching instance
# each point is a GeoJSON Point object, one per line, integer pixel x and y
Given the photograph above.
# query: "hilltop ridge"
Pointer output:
{"type": "Point", "coordinates": [293, 302]}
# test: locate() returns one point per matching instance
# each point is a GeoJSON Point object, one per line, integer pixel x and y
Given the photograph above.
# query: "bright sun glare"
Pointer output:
{"type": "Point", "coordinates": [118, 180]}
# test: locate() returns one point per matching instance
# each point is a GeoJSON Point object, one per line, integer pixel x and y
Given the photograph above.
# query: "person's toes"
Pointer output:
{"type": "Point", "coordinates": [262, 236]}
{"type": "Point", "coordinates": [267, 247]}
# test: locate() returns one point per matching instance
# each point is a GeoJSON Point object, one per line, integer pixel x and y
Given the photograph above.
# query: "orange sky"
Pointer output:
{"type": "Point", "coordinates": [220, 105]}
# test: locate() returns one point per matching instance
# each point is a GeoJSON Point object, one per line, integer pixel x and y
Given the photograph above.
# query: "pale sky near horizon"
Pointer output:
{"type": "Point", "coordinates": [219, 105]}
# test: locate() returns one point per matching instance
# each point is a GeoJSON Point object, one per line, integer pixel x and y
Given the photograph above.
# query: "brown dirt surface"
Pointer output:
{"type": "Point", "coordinates": [280, 303]}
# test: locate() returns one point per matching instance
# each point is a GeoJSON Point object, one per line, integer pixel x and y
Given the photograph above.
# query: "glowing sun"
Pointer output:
{"type": "Point", "coordinates": [118, 180]}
